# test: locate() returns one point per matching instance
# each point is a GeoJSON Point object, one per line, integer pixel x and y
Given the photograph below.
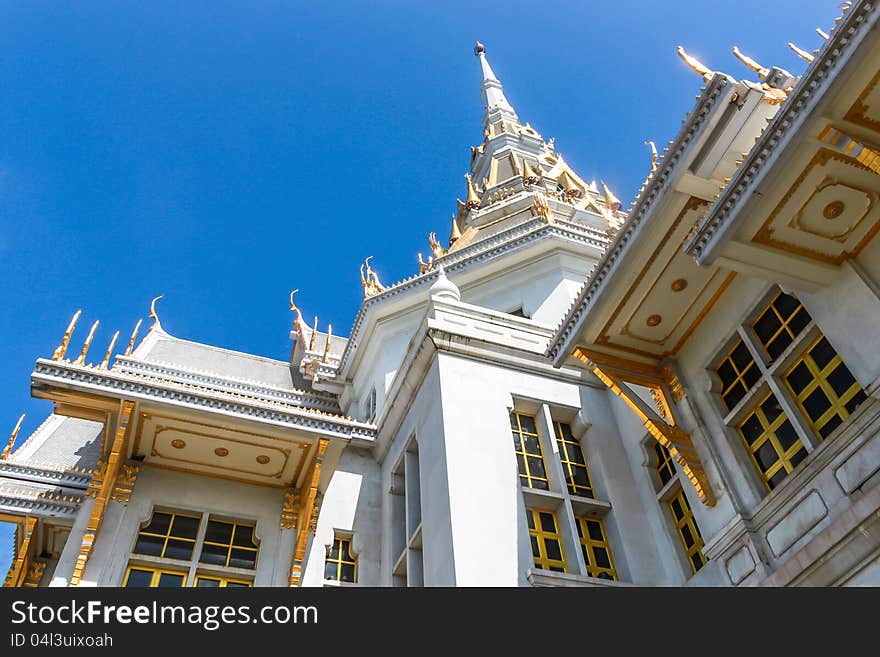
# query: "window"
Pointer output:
{"type": "Point", "coordinates": [529, 456]}
{"type": "Point", "coordinates": [154, 578]}
{"type": "Point", "coordinates": [688, 532]}
{"type": "Point", "coordinates": [574, 464]}
{"type": "Point", "coordinates": [546, 540]}
{"type": "Point", "coordinates": [594, 545]}
{"type": "Point", "coordinates": [340, 565]}
{"type": "Point", "coordinates": [801, 388]}
{"type": "Point", "coordinates": [229, 544]}
{"type": "Point", "coordinates": [772, 442]}
{"type": "Point", "coordinates": [671, 495]}
{"type": "Point", "coordinates": [825, 389]}
{"type": "Point", "coordinates": [371, 405]}
{"type": "Point", "coordinates": [184, 549]}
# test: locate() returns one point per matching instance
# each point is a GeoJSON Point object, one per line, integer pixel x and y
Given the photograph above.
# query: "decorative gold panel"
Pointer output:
{"type": "Point", "coordinates": [828, 214]}
{"type": "Point", "coordinates": [866, 110]}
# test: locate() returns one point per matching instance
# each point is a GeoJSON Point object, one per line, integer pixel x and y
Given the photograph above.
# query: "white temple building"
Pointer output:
{"type": "Point", "coordinates": [566, 393]}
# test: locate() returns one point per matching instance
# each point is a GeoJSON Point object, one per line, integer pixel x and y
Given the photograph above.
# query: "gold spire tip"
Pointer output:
{"type": "Point", "coordinates": [134, 334]}
{"type": "Point", "coordinates": [153, 315]}
{"type": "Point", "coordinates": [8, 449]}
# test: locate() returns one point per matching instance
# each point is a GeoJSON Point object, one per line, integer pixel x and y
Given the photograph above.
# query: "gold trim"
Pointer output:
{"type": "Point", "coordinates": [18, 569]}
{"type": "Point", "coordinates": [856, 113]}
{"type": "Point", "coordinates": [102, 494]}
{"type": "Point", "coordinates": [310, 505]}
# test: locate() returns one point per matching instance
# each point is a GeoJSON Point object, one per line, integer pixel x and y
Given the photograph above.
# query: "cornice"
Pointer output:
{"type": "Point", "coordinates": [51, 373]}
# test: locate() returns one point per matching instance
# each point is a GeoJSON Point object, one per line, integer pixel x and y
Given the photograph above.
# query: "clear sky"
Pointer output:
{"type": "Point", "coordinates": [224, 153]}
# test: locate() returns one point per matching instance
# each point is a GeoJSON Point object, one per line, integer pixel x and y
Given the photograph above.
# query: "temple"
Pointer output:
{"type": "Point", "coordinates": [566, 392]}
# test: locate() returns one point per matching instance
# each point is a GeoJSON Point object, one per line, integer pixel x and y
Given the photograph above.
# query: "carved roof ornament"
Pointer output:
{"type": "Point", "coordinates": [156, 323]}
{"type": "Point", "coordinates": [695, 64]}
{"type": "Point", "coordinates": [528, 173]}
{"type": "Point", "coordinates": [436, 248]}
{"type": "Point", "coordinates": [61, 350]}
{"type": "Point", "coordinates": [655, 158]}
{"type": "Point", "coordinates": [540, 208]}
{"type": "Point", "coordinates": [750, 63]}
{"type": "Point", "coordinates": [479, 49]}
{"type": "Point", "coordinates": [109, 352]}
{"type": "Point", "coordinates": [425, 266]}
{"type": "Point", "coordinates": [8, 449]}
{"type": "Point", "coordinates": [611, 200]}
{"type": "Point", "coordinates": [803, 54]}
{"type": "Point", "coordinates": [822, 33]}
{"type": "Point", "coordinates": [134, 334]}
{"type": "Point", "coordinates": [294, 308]}
{"type": "Point", "coordinates": [370, 280]}
{"type": "Point", "coordinates": [81, 359]}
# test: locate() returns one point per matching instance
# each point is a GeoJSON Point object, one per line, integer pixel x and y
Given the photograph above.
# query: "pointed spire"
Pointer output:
{"type": "Point", "coordinates": [81, 359]}
{"type": "Point", "coordinates": [491, 90]}
{"type": "Point", "coordinates": [134, 334]}
{"type": "Point", "coordinates": [528, 173]}
{"type": "Point", "coordinates": [473, 199]}
{"type": "Point", "coordinates": [455, 233]}
{"type": "Point", "coordinates": [611, 200]}
{"type": "Point", "coordinates": [803, 54]}
{"type": "Point", "coordinates": [109, 352]}
{"type": "Point", "coordinates": [62, 348]}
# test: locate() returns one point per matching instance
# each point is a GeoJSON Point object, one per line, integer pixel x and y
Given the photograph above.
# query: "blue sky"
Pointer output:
{"type": "Point", "coordinates": [225, 153]}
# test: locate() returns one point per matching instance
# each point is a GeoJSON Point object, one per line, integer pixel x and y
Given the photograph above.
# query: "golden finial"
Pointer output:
{"type": "Point", "coordinates": [762, 71]}
{"type": "Point", "coordinates": [611, 201]}
{"type": "Point", "coordinates": [294, 308]}
{"type": "Point", "coordinates": [370, 280]}
{"type": "Point", "coordinates": [425, 266]}
{"type": "Point", "coordinates": [473, 199]}
{"type": "Point", "coordinates": [327, 346]}
{"type": "Point", "coordinates": [62, 348]}
{"type": "Point", "coordinates": [655, 159]}
{"type": "Point", "coordinates": [803, 54]}
{"type": "Point", "coordinates": [822, 33]}
{"type": "Point", "coordinates": [455, 233]}
{"type": "Point", "coordinates": [109, 352]}
{"type": "Point", "coordinates": [8, 449]}
{"type": "Point", "coordinates": [568, 182]}
{"type": "Point", "coordinates": [695, 64]}
{"type": "Point", "coordinates": [81, 359]}
{"type": "Point", "coordinates": [153, 315]}
{"type": "Point", "coordinates": [134, 334]}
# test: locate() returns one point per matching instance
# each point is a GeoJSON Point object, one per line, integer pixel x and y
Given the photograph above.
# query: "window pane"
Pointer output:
{"type": "Point", "coordinates": [185, 527]}
{"type": "Point", "coordinates": [139, 578]}
{"type": "Point", "coordinates": [766, 456]}
{"type": "Point", "coordinates": [771, 408]}
{"type": "Point", "coordinates": [347, 572]}
{"type": "Point", "coordinates": [527, 423]}
{"type": "Point", "coordinates": [776, 479]}
{"type": "Point", "coordinates": [676, 509]}
{"type": "Point", "coordinates": [841, 379]}
{"type": "Point", "coordinates": [787, 435]}
{"type": "Point", "coordinates": [786, 304]}
{"type": "Point", "coordinates": [178, 549]}
{"type": "Point", "coordinates": [799, 377]}
{"type": "Point", "coordinates": [799, 456]}
{"type": "Point", "coordinates": [741, 356]}
{"type": "Point", "coordinates": [799, 322]}
{"type": "Point", "coordinates": [816, 404]}
{"type": "Point", "coordinates": [552, 547]}
{"type": "Point", "coordinates": [733, 397]}
{"type": "Point", "coordinates": [833, 422]}
{"type": "Point", "coordinates": [752, 429]}
{"type": "Point", "coordinates": [687, 536]}
{"type": "Point", "coordinates": [219, 532]}
{"type": "Point", "coordinates": [151, 545]}
{"type": "Point", "coordinates": [751, 376]}
{"type": "Point", "coordinates": [244, 536]}
{"type": "Point", "coordinates": [767, 325]}
{"type": "Point", "coordinates": [727, 374]}
{"type": "Point", "coordinates": [170, 581]}
{"type": "Point", "coordinates": [330, 569]}
{"type": "Point", "coordinates": [822, 353]}
{"type": "Point", "coordinates": [531, 444]}
{"type": "Point", "coordinates": [535, 552]}
{"type": "Point", "coordinates": [594, 529]}
{"type": "Point", "coordinates": [207, 583]}
{"type": "Point", "coordinates": [242, 558]}
{"type": "Point", "coordinates": [536, 467]}
{"type": "Point", "coordinates": [601, 557]}
{"type": "Point", "coordinates": [237, 585]}
{"type": "Point", "coordinates": [214, 554]}
{"type": "Point", "coordinates": [548, 523]}
{"type": "Point", "coordinates": [857, 399]}
{"type": "Point", "coordinates": [333, 551]}
{"type": "Point", "coordinates": [158, 524]}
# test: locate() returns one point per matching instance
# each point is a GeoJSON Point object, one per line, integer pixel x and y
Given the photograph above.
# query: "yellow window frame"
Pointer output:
{"type": "Point", "coordinates": [665, 463]}
{"type": "Point", "coordinates": [156, 574]}
{"type": "Point", "coordinates": [339, 542]}
{"type": "Point", "coordinates": [570, 463]}
{"type": "Point", "coordinates": [784, 321]}
{"type": "Point", "coordinates": [168, 535]}
{"type": "Point", "coordinates": [820, 380]}
{"type": "Point", "coordinates": [224, 581]}
{"type": "Point", "coordinates": [783, 456]}
{"type": "Point", "coordinates": [740, 374]}
{"type": "Point", "coordinates": [695, 549]}
{"type": "Point", "coordinates": [230, 546]}
{"type": "Point", "coordinates": [539, 538]}
{"type": "Point", "coordinates": [590, 545]}
{"type": "Point", "coordinates": [521, 450]}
